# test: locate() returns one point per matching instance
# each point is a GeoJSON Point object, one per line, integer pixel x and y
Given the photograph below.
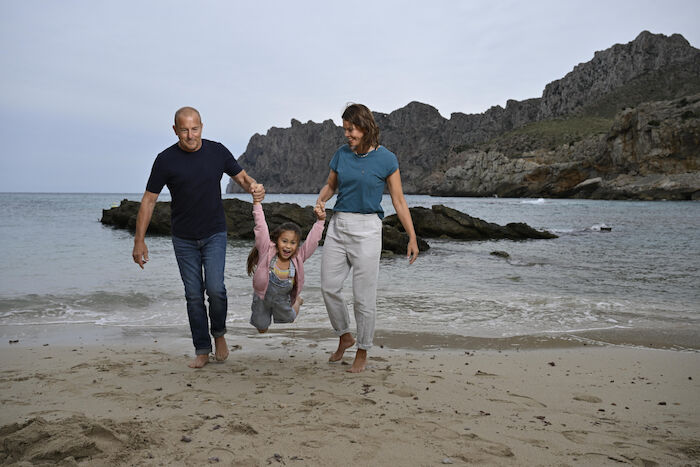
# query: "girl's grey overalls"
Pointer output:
{"type": "Point", "coordinates": [277, 303]}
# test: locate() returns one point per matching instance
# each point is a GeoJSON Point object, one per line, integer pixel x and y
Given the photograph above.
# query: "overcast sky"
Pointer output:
{"type": "Point", "coordinates": [89, 88]}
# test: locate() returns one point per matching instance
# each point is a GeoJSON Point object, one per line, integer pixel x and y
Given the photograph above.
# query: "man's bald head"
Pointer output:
{"type": "Point", "coordinates": [186, 112]}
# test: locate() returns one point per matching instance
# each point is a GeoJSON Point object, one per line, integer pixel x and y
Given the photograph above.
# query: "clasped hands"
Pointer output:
{"type": "Point", "coordinates": [258, 192]}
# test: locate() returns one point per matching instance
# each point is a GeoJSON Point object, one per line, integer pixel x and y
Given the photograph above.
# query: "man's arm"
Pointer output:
{"type": "Point", "coordinates": [143, 218]}
{"type": "Point", "coordinates": [248, 183]}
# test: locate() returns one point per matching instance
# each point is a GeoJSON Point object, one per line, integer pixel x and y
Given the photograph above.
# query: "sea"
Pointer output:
{"type": "Point", "coordinates": [623, 267]}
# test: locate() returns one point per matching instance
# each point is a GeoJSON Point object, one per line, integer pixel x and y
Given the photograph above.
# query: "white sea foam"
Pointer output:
{"type": "Point", "coordinates": [585, 329]}
{"type": "Point", "coordinates": [533, 201]}
{"type": "Point", "coordinates": [562, 231]}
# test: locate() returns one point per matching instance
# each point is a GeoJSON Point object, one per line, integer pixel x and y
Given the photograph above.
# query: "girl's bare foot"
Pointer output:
{"type": "Point", "coordinates": [199, 361]}
{"type": "Point", "coordinates": [221, 350]}
{"type": "Point", "coordinates": [297, 304]}
{"type": "Point", "coordinates": [345, 342]}
{"type": "Point", "coordinates": [360, 362]}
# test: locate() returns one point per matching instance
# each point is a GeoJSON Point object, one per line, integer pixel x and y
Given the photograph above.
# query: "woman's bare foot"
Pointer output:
{"type": "Point", "coordinates": [199, 361]}
{"type": "Point", "coordinates": [297, 304]}
{"type": "Point", "coordinates": [345, 342]}
{"type": "Point", "coordinates": [221, 350]}
{"type": "Point", "coordinates": [360, 362]}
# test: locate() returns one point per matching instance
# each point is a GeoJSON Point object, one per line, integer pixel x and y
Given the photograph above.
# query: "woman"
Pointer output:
{"type": "Point", "coordinates": [359, 171]}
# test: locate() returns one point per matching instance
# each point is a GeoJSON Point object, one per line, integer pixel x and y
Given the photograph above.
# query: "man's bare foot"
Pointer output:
{"type": "Point", "coordinates": [297, 304]}
{"type": "Point", "coordinates": [199, 361]}
{"type": "Point", "coordinates": [262, 331]}
{"type": "Point", "coordinates": [345, 342]}
{"type": "Point", "coordinates": [221, 350]}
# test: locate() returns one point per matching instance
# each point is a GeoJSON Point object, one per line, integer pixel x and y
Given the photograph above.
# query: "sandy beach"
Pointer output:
{"type": "Point", "coordinates": [115, 398]}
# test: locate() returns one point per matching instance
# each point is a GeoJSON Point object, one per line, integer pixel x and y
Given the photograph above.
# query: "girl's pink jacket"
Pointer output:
{"type": "Point", "coordinates": [267, 249]}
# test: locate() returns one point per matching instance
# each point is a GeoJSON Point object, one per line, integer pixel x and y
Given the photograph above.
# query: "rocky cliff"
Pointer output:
{"type": "Point", "coordinates": [649, 57]}
{"type": "Point", "coordinates": [593, 123]}
{"type": "Point", "coordinates": [291, 160]}
{"type": "Point", "coordinates": [651, 151]}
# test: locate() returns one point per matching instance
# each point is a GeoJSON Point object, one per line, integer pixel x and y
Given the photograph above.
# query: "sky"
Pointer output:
{"type": "Point", "coordinates": [88, 89]}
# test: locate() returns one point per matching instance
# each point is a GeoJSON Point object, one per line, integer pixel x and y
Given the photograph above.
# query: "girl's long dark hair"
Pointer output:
{"type": "Point", "coordinates": [254, 255]}
{"type": "Point", "coordinates": [360, 116]}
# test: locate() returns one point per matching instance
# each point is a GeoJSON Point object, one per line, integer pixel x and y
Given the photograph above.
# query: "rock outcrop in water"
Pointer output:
{"type": "Point", "coordinates": [584, 137]}
{"type": "Point", "coordinates": [444, 222]}
{"type": "Point", "coordinates": [440, 221]}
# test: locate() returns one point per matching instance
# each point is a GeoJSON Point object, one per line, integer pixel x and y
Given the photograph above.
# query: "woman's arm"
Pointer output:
{"type": "Point", "coordinates": [328, 189]}
{"type": "Point", "coordinates": [393, 181]}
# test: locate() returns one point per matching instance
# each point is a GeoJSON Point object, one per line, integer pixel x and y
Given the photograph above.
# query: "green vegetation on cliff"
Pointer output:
{"type": "Point", "coordinates": [545, 134]}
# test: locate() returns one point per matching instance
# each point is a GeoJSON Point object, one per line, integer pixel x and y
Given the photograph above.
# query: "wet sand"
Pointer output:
{"type": "Point", "coordinates": [76, 395]}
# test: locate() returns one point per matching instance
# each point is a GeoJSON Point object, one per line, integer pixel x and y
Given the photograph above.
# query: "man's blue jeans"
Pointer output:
{"type": "Point", "coordinates": [193, 257]}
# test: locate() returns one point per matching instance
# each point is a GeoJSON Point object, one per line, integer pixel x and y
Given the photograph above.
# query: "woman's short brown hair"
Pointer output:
{"type": "Point", "coordinates": [361, 117]}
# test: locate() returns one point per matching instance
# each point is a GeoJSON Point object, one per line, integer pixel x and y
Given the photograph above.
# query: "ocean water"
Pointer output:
{"type": "Point", "coordinates": [62, 266]}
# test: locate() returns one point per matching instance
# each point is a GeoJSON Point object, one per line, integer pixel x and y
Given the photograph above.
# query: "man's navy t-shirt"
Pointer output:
{"type": "Point", "coordinates": [194, 181]}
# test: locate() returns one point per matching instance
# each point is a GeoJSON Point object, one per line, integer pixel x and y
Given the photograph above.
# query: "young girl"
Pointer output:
{"type": "Point", "coordinates": [276, 263]}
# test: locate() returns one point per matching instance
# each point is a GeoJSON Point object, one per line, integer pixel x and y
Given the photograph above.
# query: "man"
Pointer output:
{"type": "Point", "coordinates": [192, 169]}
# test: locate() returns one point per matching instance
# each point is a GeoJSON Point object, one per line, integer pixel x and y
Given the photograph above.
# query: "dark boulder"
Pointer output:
{"type": "Point", "coordinates": [239, 221]}
{"type": "Point", "coordinates": [440, 221]}
{"type": "Point", "coordinates": [444, 222]}
{"type": "Point", "coordinates": [500, 254]}
{"type": "Point", "coordinates": [124, 217]}
{"type": "Point", "coordinates": [239, 217]}
{"type": "Point", "coordinates": [396, 240]}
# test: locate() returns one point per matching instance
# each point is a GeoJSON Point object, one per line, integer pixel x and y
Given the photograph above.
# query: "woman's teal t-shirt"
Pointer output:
{"type": "Point", "coordinates": [361, 180]}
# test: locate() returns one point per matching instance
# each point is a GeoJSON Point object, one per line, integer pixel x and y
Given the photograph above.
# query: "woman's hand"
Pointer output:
{"type": "Point", "coordinates": [320, 211]}
{"type": "Point", "coordinates": [412, 250]}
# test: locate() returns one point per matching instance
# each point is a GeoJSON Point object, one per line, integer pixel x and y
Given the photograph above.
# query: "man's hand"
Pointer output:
{"type": "Point", "coordinates": [258, 192]}
{"type": "Point", "coordinates": [140, 253]}
{"type": "Point", "coordinates": [143, 218]}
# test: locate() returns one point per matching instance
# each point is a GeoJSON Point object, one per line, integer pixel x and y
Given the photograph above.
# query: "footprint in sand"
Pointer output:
{"type": "Point", "coordinates": [117, 396]}
{"type": "Point", "coordinates": [217, 455]}
{"type": "Point", "coordinates": [378, 359]}
{"type": "Point", "coordinates": [587, 398]}
{"type": "Point", "coordinates": [529, 401]}
{"type": "Point", "coordinates": [643, 462]}
{"type": "Point", "coordinates": [243, 428]}
{"type": "Point", "coordinates": [403, 392]}
{"type": "Point", "coordinates": [312, 403]}
{"type": "Point", "coordinates": [38, 441]}
{"type": "Point", "coordinates": [575, 436]}
{"type": "Point", "coordinates": [311, 444]}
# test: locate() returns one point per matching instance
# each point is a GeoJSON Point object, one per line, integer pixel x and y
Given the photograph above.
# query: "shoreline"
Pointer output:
{"type": "Point", "coordinates": [128, 398]}
{"type": "Point", "coordinates": [178, 337]}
